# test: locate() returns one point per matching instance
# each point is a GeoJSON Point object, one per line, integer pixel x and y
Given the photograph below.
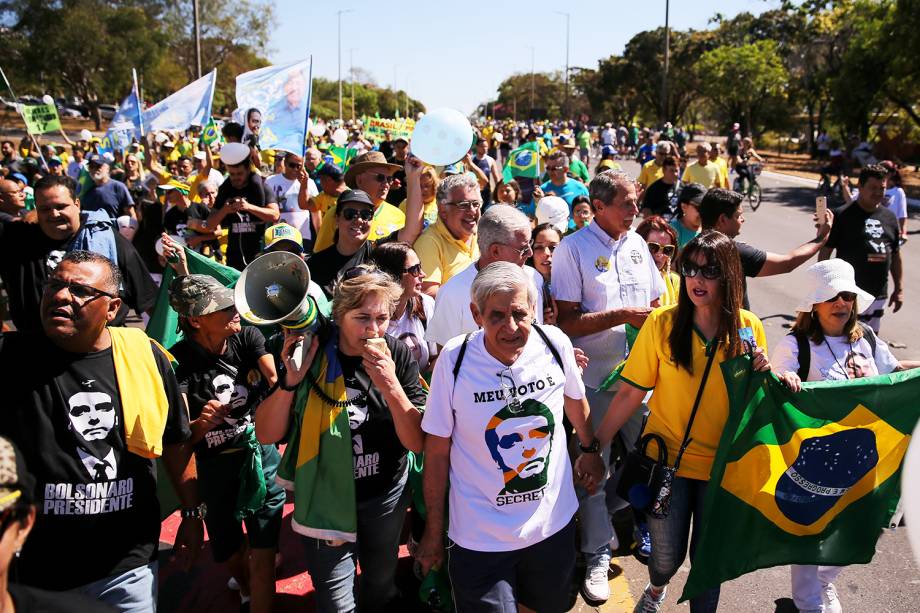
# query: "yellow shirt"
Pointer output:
{"type": "Point", "coordinates": [708, 176]}
{"type": "Point", "coordinates": [387, 219]}
{"type": "Point", "coordinates": [429, 214]}
{"type": "Point", "coordinates": [324, 202]}
{"type": "Point", "coordinates": [649, 366]}
{"type": "Point", "coordinates": [723, 171]}
{"type": "Point", "coordinates": [441, 255]}
{"type": "Point", "coordinates": [672, 289]}
{"type": "Point", "coordinates": [650, 173]}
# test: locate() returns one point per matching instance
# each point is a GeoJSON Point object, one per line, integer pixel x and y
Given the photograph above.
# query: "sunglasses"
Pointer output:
{"type": "Point", "coordinates": [363, 214]}
{"type": "Point", "coordinates": [415, 271]}
{"type": "Point", "coordinates": [847, 297]}
{"type": "Point", "coordinates": [466, 205]}
{"type": "Point", "coordinates": [358, 271]}
{"type": "Point", "coordinates": [79, 292]}
{"type": "Point", "coordinates": [382, 178]}
{"type": "Point", "coordinates": [654, 248]}
{"type": "Point", "coordinates": [294, 166]}
{"type": "Point", "coordinates": [710, 271]}
{"type": "Point", "coordinates": [512, 403]}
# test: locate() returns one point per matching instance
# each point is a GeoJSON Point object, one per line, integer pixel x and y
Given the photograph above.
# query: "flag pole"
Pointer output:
{"type": "Point", "coordinates": [19, 110]}
{"type": "Point", "coordinates": [137, 96]}
{"type": "Point", "coordinates": [306, 120]}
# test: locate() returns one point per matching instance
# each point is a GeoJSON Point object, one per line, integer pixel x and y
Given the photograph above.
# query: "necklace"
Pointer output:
{"type": "Point", "coordinates": [339, 404]}
{"type": "Point", "coordinates": [834, 355]}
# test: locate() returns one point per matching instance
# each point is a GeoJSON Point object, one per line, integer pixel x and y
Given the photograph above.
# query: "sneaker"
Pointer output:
{"type": "Point", "coordinates": [596, 586]}
{"type": "Point", "coordinates": [648, 603]}
{"type": "Point", "coordinates": [829, 597]}
{"type": "Point", "coordinates": [643, 541]}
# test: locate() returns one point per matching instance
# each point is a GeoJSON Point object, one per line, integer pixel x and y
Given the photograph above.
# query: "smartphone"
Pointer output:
{"type": "Point", "coordinates": [748, 343]}
{"type": "Point", "coordinates": [821, 210]}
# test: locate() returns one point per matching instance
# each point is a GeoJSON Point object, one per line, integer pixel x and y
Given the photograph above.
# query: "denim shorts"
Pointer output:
{"type": "Point", "coordinates": [537, 576]}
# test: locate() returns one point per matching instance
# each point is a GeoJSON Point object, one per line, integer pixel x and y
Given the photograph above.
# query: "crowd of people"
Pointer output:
{"type": "Point", "coordinates": [469, 324]}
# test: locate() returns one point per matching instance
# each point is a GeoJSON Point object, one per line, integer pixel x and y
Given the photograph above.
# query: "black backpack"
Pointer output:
{"type": "Point", "coordinates": [552, 350]}
{"type": "Point", "coordinates": [805, 348]}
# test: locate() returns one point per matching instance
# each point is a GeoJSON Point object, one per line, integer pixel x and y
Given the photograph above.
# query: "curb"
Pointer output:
{"type": "Point", "coordinates": [912, 203]}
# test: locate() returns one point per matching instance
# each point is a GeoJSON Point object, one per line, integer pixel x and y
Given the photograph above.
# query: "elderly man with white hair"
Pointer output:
{"type": "Point", "coordinates": [512, 496]}
{"type": "Point", "coordinates": [503, 235]}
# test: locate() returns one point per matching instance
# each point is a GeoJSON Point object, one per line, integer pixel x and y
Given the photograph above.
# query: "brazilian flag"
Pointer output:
{"type": "Point", "coordinates": [84, 182]}
{"type": "Point", "coordinates": [807, 478]}
{"type": "Point", "coordinates": [342, 156]}
{"type": "Point", "coordinates": [523, 162]}
{"type": "Point", "coordinates": [211, 133]}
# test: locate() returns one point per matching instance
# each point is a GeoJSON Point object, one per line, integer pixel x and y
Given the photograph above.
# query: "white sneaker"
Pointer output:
{"type": "Point", "coordinates": [596, 586]}
{"type": "Point", "coordinates": [829, 597]}
{"type": "Point", "coordinates": [648, 603]}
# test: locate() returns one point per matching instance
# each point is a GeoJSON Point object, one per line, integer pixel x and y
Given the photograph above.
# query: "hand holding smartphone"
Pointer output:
{"type": "Point", "coordinates": [821, 210]}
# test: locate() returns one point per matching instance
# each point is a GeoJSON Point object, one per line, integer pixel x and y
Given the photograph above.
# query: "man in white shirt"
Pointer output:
{"type": "Point", "coordinates": [604, 277]}
{"type": "Point", "coordinates": [512, 499]}
{"type": "Point", "coordinates": [503, 235]}
{"type": "Point", "coordinates": [287, 188]}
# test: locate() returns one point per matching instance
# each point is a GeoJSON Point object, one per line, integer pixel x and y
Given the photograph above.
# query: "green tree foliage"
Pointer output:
{"type": "Point", "coordinates": [369, 100]}
{"type": "Point", "coordinates": [741, 81]}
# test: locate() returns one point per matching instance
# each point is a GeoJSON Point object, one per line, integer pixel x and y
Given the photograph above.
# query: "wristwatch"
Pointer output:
{"type": "Point", "coordinates": [594, 447]}
{"type": "Point", "coordinates": [199, 512]}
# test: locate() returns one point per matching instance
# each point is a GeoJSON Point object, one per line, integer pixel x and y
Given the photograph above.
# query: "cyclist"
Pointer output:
{"type": "Point", "coordinates": [743, 165]}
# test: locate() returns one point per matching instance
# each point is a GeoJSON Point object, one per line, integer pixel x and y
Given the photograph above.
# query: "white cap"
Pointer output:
{"type": "Point", "coordinates": [234, 153]}
{"type": "Point", "coordinates": [199, 155]}
{"type": "Point", "coordinates": [553, 210]}
{"type": "Point", "coordinates": [827, 279]}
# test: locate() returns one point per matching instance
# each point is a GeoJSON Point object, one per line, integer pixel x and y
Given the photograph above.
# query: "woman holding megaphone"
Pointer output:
{"type": "Point", "coordinates": [350, 412]}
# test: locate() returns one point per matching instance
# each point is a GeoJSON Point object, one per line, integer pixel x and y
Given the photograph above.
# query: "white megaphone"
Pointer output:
{"type": "Point", "coordinates": [273, 289]}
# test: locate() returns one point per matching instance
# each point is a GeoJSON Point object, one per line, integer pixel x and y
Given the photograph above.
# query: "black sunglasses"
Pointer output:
{"type": "Point", "coordinates": [847, 297]}
{"type": "Point", "coordinates": [79, 291]}
{"type": "Point", "coordinates": [415, 270]}
{"type": "Point", "coordinates": [362, 214]}
{"type": "Point", "coordinates": [654, 248]}
{"type": "Point", "coordinates": [709, 271]}
{"type": "Point", "coordinates": [382, 178]}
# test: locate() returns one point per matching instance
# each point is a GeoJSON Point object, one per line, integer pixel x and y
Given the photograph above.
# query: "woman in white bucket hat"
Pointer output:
{"type": "Point", "coordinates": [828, 342]}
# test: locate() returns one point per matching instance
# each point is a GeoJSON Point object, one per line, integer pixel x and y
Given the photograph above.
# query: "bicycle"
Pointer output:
{"type": "Point", "coordinates": [753, 193]}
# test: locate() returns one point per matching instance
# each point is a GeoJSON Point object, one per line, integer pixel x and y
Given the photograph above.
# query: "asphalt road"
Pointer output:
{"type": "Point", "coordinates": [891, 583]}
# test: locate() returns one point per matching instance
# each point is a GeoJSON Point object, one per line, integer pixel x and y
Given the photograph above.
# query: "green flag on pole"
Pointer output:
{"type": "Point", "coordinates": [807, 478]}
{"type": "Point", "coordinates": [523, 162]}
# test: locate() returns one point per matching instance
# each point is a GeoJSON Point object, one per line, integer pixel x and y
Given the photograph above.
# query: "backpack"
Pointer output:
{"type": "Point", "coordinates": [805, 348]}
{"type": "Point", "coordinates": [552, 350]}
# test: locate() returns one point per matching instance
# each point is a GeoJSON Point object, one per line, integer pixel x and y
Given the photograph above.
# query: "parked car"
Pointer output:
{"type": "Point", "coordinates": [66, 111]}
{"type": "Point", "coordinates": [107, 111]}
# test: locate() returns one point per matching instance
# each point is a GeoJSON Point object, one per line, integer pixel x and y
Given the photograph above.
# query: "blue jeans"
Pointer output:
{"type": "Point", "coordinates": [670, 535]}
{"type": "Point", "coordinates": [134, 591]}
{"type": "Point", "coordinates": [332, 568]}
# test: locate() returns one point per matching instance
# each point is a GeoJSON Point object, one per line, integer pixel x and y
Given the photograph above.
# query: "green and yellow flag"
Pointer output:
{"type": "Point", "coordinates": [211, 133]}
{"type": "Point", "coordinates": [342, 156]}
{"type": "Point", "coordinates": [807, 478]}
{"type": "Point", "coordinates": [523, 162]}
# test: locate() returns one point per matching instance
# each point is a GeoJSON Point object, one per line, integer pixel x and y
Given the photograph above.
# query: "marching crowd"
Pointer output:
{"type": "Point", "coordinates": [470, 326]}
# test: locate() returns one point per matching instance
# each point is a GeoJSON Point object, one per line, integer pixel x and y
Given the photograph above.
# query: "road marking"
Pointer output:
{"type": "Point", "coordinates": [621, 600]}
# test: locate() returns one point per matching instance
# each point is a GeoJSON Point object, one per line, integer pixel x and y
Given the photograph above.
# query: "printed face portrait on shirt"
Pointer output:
{"type": "Point", "coordinates": [92, 415]}
{"type": "Point", "coordinates": [228, 392]}
{"type": "Point", "coordinates": [520, 443]}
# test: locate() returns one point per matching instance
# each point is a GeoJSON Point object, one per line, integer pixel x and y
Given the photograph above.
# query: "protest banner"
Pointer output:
{"type": "Point", "coordinates": [282, 95]}
{"type": "Point", "coordinates": [40, 118]}
{"type": "Point", "coordinates": [375, 128]}
{"type": "Point", "coordinates": [806, 478]}
{"type": "Point", "coordinates": [190, 106]}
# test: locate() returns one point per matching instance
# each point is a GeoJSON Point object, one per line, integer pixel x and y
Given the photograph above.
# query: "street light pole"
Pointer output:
{"type": "Point", "coordinates": [667, 53]}
{"type": "Point", "coordinates": [532, 55]}
{"type": "Point", "coordinates": [351, 61]}
{"type": "Point", "coordinates": [565, 104]}
{"type": "Point", "coordinates": [197, 26]}
{"type": "Point", "coordinates": [339, 16]}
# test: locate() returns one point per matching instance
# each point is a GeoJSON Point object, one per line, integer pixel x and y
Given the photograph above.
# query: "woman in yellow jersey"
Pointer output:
{"type": "Point", "coordinates": [670, 357]}
{"type": "Point", "coordinates": [429, 182]}
{"type": "Point", "coordinates": [662, 244]}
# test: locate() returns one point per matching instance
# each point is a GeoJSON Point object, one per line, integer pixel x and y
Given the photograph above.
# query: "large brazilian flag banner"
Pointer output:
{"type": "Point", "coordinates": [807, 478]}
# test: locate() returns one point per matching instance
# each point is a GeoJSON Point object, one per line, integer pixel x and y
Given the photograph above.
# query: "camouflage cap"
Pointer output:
{"type": "Point", "coordinates": [16, 483]}
{"type": "Point", "coordinates": [196, 295]}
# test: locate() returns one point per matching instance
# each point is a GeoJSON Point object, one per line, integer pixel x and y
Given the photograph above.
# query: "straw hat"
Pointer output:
{"type": "Point", "coordinates": [367, 161]}
{"type": "Point", "coordinates": [827, 279]}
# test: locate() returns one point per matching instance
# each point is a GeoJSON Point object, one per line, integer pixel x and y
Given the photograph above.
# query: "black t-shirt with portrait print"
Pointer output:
{"type": "Point", "coordinates": [233, 378]}
{"type": "Point", "coordinates": [244, 230]}
{"type": "Point", "coordinates": [379, 456]}
{"type": "Point", "coordinates": [866, 240]}
{"type": "Point", "coordinates": [326, 265]}
{"type": "Point", "coordinates": [176, 220]}
{"type": "Point", "coordinates": [28, 256]}
{"type": "Point", "coordinates": [98, 513]}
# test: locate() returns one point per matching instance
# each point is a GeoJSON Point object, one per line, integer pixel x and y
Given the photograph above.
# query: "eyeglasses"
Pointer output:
{"type": "Point", "coordinates": [363, 214]}
{"type": "Point", "coordinates": [509, 390]}
{"type": "Point", "coordinates": [654, 248]}
{"type": "Point", "coordinates": [544, 247]}
{"type": "Point", "coordinates": [466, 205]}
{"type": "Point", "coordinates": [847, 297]}
{"type": "Point", "coordinates": [554, 168]}
{"type": "Point", "coordinates": [524, 251]}
{"type": "Point", "coordinates": [358, 271]}
{"type": "Point", "coordinates": [415, 271]}
{"type": "Point", "coordinates": [81, 293]}
{"type": "Point", "coordinates": [709, 271]}
{"type": "Point", "coordinates": [294, 166]}
{"type": "Point", "coordinates": [382, 178]}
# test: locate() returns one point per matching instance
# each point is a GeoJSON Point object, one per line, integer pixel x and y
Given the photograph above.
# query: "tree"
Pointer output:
{"type": "Point", "coordinates": [741, 81]}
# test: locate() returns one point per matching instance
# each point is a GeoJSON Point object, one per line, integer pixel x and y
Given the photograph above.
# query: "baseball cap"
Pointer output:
{"type": "Point", "coordinates": [608, 150]}
{"type": "Point", "coordinates": [692, 192]}
{"type": "Point", "coordinates": [401, 138]}
{"type": "Point", "coordinates": [55, 161]}
{"type": "Point", "coordinates": [99, 158]}
{"type": "Point", "coordinates": [330, 170]}
{"type": "Point", "coordinates": [553, 210]}
{"type": "Point", "coordinates": [177, 185]}
{"type": "Point", "coordinates": [199, 155]}
{"type": "Point", "coordinates": [196, 295]}
{"type": "Point", "coordinates": [281, 233]}
{"type": "Point", "coordinates": [18, 176]}
{"type": "Point", "coordinates": [353, 195]}
{"type": "Point", "coordinates": [234, 153]}
{"type": "Point", "coordinates": [16, 483]}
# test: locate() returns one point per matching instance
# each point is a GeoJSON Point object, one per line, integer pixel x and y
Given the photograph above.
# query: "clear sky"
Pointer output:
{"type": "Point", "coordinates": [456, 53]}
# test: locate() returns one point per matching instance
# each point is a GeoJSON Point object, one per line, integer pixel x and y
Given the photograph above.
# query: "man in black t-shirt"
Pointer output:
{"type": "Point", "coordinates": [244, 204]}
{"type": "Point", "coordinates": [29, 253]}
{"type": "Point", "coordinates": [661, 196]}
{"type": "Point", "coordinates": [867, 236]}
{"type": "Point", "coordinates": [723, 210]}
{"type": "Point", "coordinates": [186, 218]}
{"type": "Point", "coordinates": [90, 442]}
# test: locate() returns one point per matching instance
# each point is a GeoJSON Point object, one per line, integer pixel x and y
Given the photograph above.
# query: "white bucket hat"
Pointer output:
{"type": "Point", "coordinates": [553, 210]}
{"type": "Point", "coordinates": [827, 279]}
